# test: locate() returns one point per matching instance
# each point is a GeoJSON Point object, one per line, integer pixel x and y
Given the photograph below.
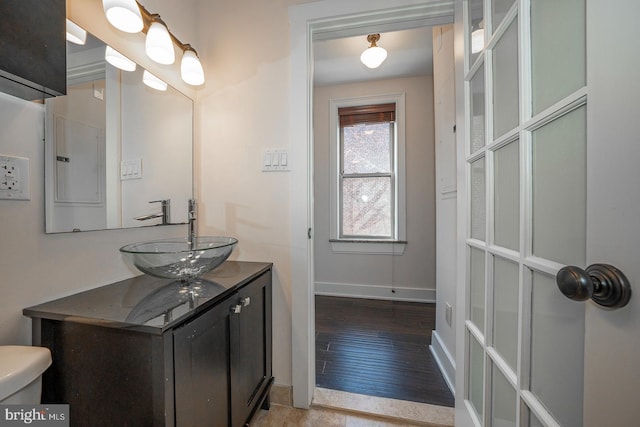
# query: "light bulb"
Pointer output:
{"type": "Point", "coordinates": [118, 60]}
{"type": "Point", "coordinates": [75, 34]}
{"type": "Point", "coordinates": [191, 68]}
{"type": "Point", "coordinates": [152, 81]}
{"type": "Point", "coordinates": [158, 45]}
{"type": "Point", "coordinates": [124, 15]}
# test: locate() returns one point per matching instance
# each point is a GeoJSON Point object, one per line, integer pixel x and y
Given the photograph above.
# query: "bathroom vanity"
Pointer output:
{"type": "Point", "coordinates": [143, 352]}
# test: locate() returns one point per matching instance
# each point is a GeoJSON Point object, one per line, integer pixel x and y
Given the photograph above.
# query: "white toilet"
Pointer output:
{"type": "Point", "coordinates": [21, 369]}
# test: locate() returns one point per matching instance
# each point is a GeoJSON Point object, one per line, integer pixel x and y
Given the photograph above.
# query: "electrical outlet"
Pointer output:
{"type": "Point", "coordinates": [14, 178]}
{"type": "Point", "coordinates": [448, 313]}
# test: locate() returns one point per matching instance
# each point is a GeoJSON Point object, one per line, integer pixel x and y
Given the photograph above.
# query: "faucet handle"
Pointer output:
{"type": "Point", "coordinates": [163, 201]}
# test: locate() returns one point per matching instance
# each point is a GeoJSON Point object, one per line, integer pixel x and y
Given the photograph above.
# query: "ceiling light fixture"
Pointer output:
{"type": "Point", "coordinates": [477, 38]}
{"type": "Point", "coordinates": [118, 60]}
{"type": "Point", "coordinates": [159, 44]}
{"type": "Point", "coordinates": [125, 15]}
{"type": "Point", "coordinates": [374, 55]}
{"type": "Point", "coordinates": [152, 81]}
{"type": "Point", "coordinates": [75, 34]}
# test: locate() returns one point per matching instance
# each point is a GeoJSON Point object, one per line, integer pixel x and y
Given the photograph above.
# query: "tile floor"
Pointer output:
{"type": "Point", "coordinates": [333, 408]}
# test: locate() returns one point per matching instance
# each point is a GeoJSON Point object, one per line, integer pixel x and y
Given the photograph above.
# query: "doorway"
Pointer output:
{"type": "Point", "coordinates": [399, 285]}
{"type": "Point", "coordinates": [307, 21]}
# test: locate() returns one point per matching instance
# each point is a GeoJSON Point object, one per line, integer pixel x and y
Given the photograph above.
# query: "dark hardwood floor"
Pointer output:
{"type": "Point", "coordinates": [378, 348]}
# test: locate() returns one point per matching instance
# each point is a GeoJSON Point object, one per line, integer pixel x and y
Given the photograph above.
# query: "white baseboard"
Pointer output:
{"type": "Point", "coordinates": [394, 293]}
{"type": "Point", "coordinates": [445, 361]}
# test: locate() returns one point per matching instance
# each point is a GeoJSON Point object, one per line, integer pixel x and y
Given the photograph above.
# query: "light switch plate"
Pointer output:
{"type": "Point", "coordinates": [275, 160]}
{"type": "Point", "coordinates": [130, 169]}
{"type": "Point", "coordinates": [14, 178]}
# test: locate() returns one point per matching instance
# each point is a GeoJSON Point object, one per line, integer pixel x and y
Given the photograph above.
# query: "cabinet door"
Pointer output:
{"type": "Point", "coordinates": [201, 349]}
{"type": "Point", "coordinates": [251, 351]}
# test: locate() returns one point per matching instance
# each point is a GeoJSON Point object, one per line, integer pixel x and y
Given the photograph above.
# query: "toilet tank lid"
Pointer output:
{"type": "Point", "coordinates": [20, 365]}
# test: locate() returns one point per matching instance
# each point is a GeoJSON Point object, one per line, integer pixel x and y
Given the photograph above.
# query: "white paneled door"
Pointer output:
{"type": "Point", "coordinates": [552, 143]}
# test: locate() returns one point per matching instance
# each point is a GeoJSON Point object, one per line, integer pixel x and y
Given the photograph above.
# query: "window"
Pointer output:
{"type": "Point", "coordinates": [368, 175]}
{"type": "Point", "coordinates": [367, 172]}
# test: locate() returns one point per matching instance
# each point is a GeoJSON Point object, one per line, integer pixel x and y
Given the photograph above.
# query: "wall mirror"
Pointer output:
{"type": "Point", "coordinates": [112, 146]}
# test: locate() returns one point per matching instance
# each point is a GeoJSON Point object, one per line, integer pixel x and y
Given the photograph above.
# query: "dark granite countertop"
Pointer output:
{"type": "Point", "coordinates": [146, 303]}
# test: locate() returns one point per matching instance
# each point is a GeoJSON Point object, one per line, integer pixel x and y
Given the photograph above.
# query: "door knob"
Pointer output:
{"type": "Point", "coordinates": [603, 283]}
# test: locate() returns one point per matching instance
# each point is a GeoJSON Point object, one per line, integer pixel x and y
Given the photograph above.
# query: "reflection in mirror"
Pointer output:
{"type": "Point", "coordinates": [112, 146]}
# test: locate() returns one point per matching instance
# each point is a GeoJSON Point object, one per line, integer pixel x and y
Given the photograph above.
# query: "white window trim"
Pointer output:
{"type": "Point", "coordinates": [394, 246]}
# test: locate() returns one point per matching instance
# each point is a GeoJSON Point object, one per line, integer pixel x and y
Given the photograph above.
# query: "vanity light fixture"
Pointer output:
{"type": "Point", "coordinates": [75, 34]}
{"type": "Point", "coordinates": [125, 15]}
{"type": "Point", "coordinates": [374, 55]}
{"type": "Point", "coordinates": [191, 68]}
{"type": "Point", "coordinates": [118, 60]}
{"type": "Point", "coordinates": [153, 82]}
{"type": "Point", "coordinates": [130, 16]}
{"type": "Point", "coordinates": [158, 45]}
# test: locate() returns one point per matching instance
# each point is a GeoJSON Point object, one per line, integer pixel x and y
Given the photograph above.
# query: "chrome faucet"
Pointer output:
{"type": "Point", "coordinates": [191, 233]}
{"type": "Point", "coordinates": [165, 214]}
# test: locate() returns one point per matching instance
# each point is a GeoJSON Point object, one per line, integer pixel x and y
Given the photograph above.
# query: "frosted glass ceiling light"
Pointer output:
{"type": "Point", "coordinates": [152, 81]}
{"type": "Point", "coordinates": [75, 34]}
{"type": "Point", "coordinates": [191, 68]}
{"type": "Point", "coordinates": [159, 45]}
{"type": "Point", "coordinates": [477, 38]}
{"type": "Point", "coordinates": [118, 60]}
{"type": "Point", "coordinates": [124, 15]}
{"type": "Point", "coordinates": [374, 55]}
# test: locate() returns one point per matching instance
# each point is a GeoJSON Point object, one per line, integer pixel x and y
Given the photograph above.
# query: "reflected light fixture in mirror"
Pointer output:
{"type": "Point", "coordinates": [153, 82]}
{"type": "Point", "coordinates": [158, 44]}
{"type": "Point", "coordinates": [118, 60]}
{"type": "Point", "coordinates": [125, 15]}
{"type": "Point", "coordinates": [374, 55]}
{"type": "Point", "coordinates": [75, 34]}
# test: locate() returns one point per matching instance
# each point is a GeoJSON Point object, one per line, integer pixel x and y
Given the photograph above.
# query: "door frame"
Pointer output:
{"type": "Point", "coordinates": [309, 22]}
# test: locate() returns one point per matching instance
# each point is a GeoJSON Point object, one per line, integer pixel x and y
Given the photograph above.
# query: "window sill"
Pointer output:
{"type": "Point", "coordinates": [383, 247]}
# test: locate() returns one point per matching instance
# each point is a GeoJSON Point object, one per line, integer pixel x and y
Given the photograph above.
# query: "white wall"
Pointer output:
{"type": "Point", "coordinates": [444, 338]}
{"type": "Point", "coordinates": [412, 274]}
{"type": "Point", "coordinates": [36, 267]}
{"type": "Point", "coordinates": [244, 109]}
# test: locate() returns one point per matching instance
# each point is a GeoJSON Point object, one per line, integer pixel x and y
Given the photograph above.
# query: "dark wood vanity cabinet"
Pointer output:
{"type": "Point", "coordinates": [223, 359]}
{"type": "Point", "coordinates": [211, 366]}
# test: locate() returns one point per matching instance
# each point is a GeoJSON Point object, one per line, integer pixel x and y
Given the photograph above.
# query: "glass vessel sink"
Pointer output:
{"type": "Point", "coordinates": [177, 258]}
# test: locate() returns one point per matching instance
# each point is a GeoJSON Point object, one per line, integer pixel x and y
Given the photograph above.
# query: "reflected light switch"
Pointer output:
{"type": "Point", "coordinates": [130, 169]}
{"type": "Point", "coordinates": [284, 159]}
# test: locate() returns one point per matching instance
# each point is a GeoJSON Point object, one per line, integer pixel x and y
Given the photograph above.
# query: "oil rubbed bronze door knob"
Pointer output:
{"type": "Point", "coordinates": [603, 283]}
